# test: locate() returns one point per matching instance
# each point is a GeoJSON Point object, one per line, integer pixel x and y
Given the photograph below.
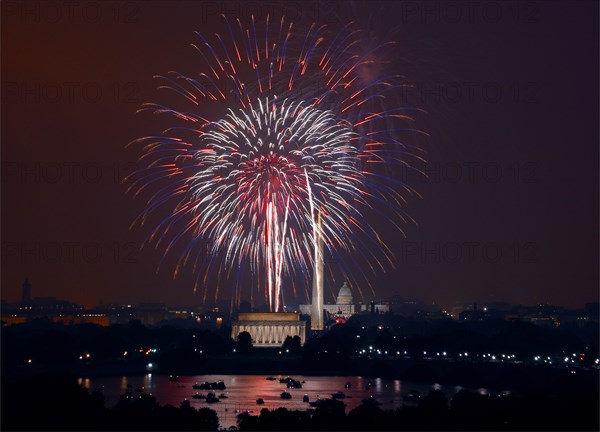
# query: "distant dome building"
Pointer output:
{"type": "Point", "coordinates": [343, 306]}
{"type": "Point", "coordinates": [345, 295]}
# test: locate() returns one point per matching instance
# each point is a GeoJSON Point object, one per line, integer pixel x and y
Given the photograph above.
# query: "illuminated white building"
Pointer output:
{"type": "Point", "coordinates": [343, 306]}
{"type": "Point", "coordinates": [269, 329]}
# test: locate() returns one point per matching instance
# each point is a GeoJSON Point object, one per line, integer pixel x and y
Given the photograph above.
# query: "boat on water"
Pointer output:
{"type": "Point", "coordinates": [292, 383]}
{"type": "Point", "coordinates": [212, 398]}
{"type": "Point", "coordinates": [305, 398]}
{"type": "Point", "coordinates": [286, 395]}
{"type": "Point", "coordinates": [260, 401]}
{"type": "Point", "coordinates": [199, 396]}
{"type": "Point", "coordinates": [223, 396]}
{"type": "Point", "coordinates": [217, 385]}
{"type": "Point", "coordinates": [338, 395]}
{"type": "Point", "coordinates": [285, 380]}
{"type": "Point", "coordinates": [348, 385]}
{"type": "Point", "coordinates": [173, 378]}
{"type": "Point", "coordinates": [271, 378]}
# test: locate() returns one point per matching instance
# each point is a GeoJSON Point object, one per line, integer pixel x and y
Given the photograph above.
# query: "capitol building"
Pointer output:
{"type": "Point", "coordinates": [343, 306]}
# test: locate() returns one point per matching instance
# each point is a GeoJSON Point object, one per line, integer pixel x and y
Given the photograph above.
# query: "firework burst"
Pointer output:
{"type": "Point", "coordinates": [279, 134]}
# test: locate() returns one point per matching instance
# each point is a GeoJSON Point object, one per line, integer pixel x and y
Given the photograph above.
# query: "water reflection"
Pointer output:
{"type": "Point", "coordinates": [244, 390]}
{"type": "Point", "coordinates": [148, 382]}
{"type": "Point", "coordinates": [123, 384]}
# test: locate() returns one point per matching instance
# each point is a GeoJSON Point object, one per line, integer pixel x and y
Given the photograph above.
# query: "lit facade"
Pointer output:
{"type": "Point", "coordinates": [343, 306]}
{"type": "Point", "coordinates": [269, 329]}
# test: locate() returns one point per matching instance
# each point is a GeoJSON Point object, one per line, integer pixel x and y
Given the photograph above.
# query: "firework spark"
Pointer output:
{"type": "Point", "coordinates": [296, 138]}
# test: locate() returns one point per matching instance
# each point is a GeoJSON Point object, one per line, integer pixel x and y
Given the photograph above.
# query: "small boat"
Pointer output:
{"type": "Point", "coordinates": [173, 378]}
{"type": "Point", "coordinates": [371, 401]}
{"type": "Point", "coordinates": [286, 395]}
{"type": "Point", "coordinates": [260, 401]}
{"type": "Point", "coordinates": [212, 398]}
{"type": "Point", "coordinates": [305, 398]}
{"type": "Point", "coordinates": [219, 385]}
{"type": "Point", "coordinates": [348, 385]}
{"type": "Point", "coordinates": [285, 380]}
{"type": "Point", "coordinates": [338, 395]}
{"type": "Point", "coordinates": [223, 396]}
{"type": "Point", "coordinates": [199, 396]}
{"type": "Point", "coordinates": [271, 378]}
{"type": "Point", "coordinates": [294, 384]}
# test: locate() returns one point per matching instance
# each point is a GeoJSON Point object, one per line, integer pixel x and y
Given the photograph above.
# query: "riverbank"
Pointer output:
{"type": "Point", "coordinates": [503, 376]}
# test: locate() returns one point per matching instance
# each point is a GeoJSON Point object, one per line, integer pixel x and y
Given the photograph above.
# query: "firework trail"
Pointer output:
{"type": "Point", "coordinates": [279, 131]}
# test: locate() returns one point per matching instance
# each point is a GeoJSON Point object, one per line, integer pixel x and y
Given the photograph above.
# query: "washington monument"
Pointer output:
{"type": "Point", "coordinates": [316, 320]}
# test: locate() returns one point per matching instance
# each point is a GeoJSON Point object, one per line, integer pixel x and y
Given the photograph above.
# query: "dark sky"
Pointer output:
{"type": "Point", "coordinates": [510, 209]}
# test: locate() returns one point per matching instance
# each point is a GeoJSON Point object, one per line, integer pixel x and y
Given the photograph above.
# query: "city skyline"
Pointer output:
{"type": "Point", "coordinates": [28, 296]}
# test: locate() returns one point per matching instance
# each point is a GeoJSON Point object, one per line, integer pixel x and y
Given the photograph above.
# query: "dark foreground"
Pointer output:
{"type": "Point", "coordinates": [25, 406]}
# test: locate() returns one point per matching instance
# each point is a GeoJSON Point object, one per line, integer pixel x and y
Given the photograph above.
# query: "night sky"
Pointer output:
{"type": "Point", "coordinates": [510, 209]}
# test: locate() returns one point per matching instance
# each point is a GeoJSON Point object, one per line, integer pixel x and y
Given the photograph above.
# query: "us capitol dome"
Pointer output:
{"type": "Point", "coordinates": [344, 297]}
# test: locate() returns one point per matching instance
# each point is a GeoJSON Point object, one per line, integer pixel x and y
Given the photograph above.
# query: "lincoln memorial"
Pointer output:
{"type": "Point", "coordinates": [269, 329]}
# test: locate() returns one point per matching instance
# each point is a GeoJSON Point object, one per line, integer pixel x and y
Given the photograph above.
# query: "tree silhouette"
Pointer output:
{"type": "Point", "coordinates": [244, 342]}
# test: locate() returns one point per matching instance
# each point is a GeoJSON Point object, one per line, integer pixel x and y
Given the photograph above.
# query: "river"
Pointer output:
{"type": "Point", "coordinates": [243, 390]}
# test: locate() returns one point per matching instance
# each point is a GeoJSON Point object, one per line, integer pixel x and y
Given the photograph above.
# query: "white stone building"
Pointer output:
{"type": "Point", "coordinates": [343, 306]}
{"type": "Point", "coordinates": [269, 329]}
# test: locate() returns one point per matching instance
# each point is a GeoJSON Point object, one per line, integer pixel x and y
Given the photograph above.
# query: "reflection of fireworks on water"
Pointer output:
{"type": "Point", "coordinates": [297, 142]}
